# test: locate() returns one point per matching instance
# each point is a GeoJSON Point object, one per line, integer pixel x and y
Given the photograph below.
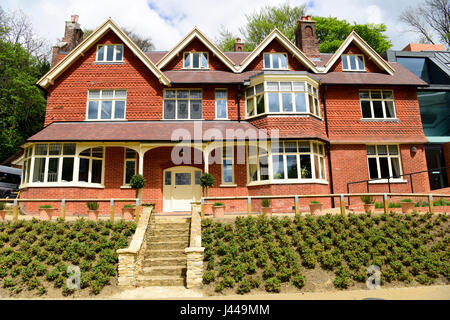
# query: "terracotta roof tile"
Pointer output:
{"type": "Point", "coordinates": [208, 76]}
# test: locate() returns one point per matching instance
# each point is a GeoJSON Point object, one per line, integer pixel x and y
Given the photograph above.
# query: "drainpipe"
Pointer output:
{"type": "Point", "coordinates": [238, 98]}
{"type": "Point", "coordinates": [328, 143]}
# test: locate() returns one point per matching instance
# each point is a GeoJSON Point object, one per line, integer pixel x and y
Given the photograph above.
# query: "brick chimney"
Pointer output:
{"type": "Point", "coordinates": [238, 45]}
{"type": "Point", "coordinates": [306, 38]}
{"type": "Point", "coordinates": [424, 47]}
{"type": "Point", "coordinates": [73, 35]}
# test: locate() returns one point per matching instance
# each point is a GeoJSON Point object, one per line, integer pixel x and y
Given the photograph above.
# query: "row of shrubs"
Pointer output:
{"type": "Point", "coordinates": [256, 252]}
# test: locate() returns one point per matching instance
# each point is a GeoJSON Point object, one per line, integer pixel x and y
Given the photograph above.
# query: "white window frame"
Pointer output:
{"type": "Point", "coordinates": [125, 160]}
{"type": "Point", "coordinates": [105, 53]}
{"type": "Point", "coordinates": [191, 60]}
{"type": "Point", "coordinates": [176, 99]}
{"type": "Point", "coordinates": [377, 156]}
{"type": "Point", "coordinates": [221, 99]}
{"type": "Point", "coordinates": [100, 100]}
{"type": "Point", "coordinates": [358, 67]}
{"type": "Point", "coordinates": [383, 103]}
{"type": "Point", "coordinates": [227, 156]}
{"type": "Point", "coordinates": [91, 158]}
{"type": "Point", "coordinates": [272, 55]}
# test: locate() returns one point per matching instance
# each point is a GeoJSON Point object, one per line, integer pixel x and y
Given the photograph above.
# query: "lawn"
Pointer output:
{"type": "Point", "coordinates": [35, 255]}
{"type": "Point", "coordinates": [284, 254]}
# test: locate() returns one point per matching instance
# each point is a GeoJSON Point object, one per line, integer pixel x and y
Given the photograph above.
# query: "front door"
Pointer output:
{"type": "Point", "coordinates": [434, 156]}
{"type": "Point", "coordinates": [181, 187]}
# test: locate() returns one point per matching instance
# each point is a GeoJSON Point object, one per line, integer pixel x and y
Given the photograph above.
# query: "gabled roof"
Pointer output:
{"type": "Point", "coordinates": [276, 34]}
{"type": "Point", "coordinates": [353, 37]}
{"type": "Point", "coordinates": [196, 33]}
{"type": "Point", "coordinates": [87, 43]}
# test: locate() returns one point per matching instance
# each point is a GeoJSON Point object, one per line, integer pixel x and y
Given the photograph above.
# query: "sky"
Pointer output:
{"type": "Point", "coordinates": [166, 22]}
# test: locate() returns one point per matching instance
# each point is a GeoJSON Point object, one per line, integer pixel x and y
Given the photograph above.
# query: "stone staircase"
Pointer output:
{"type": "Point", "coordinates": [164, 258]}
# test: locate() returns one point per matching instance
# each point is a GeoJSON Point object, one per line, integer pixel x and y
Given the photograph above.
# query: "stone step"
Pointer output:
{"type": "Point", "coordinates": [143, 280]}
{"type": "Point", "coordinates": [169, 232]}
{"type": "Point", "coordinates": [164, 271]}
{"type": "Point", "coordinates": [165, 219]}
{"type": "Point", "coordinates": [166, 245]}
{"type": "Point", "coordinates": [167, 237]}
{"type": "Point", "coordinates": [170, 226]}
{"type": "Point", "coordinates": [175, 253]}
{"type": "Point", "coordinates": [165, 261]}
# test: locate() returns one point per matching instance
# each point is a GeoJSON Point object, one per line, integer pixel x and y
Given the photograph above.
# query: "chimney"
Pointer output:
{"type": "Point", "coordinates": [306, 38]}
{"type": "Point", "coordinates": [238, 45]}
{"type": "Point", "coordinates": [417, 47]}
{"type": "Point", "coordinates": [73, 35]}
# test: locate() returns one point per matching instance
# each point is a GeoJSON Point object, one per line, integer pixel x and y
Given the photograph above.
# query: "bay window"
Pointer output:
{"type": "Point", "coordinates": [384, 161]}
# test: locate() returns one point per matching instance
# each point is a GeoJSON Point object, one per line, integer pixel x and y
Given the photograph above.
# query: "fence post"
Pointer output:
{"type": "Point", "coordinates": [342, 204]}
{"type": "Point", "coordinates": [63, 209]}
{"type": "Point", "coordinates": [385, 203]}
{"type": "Point", "coordinates": [296, 205]}
{"type": "Point", "coordinates": [111, 210]}
{"type": "Point", "coordinates": [15, 210]}
{"type": "Point", "coordinates": [137, 210]}
{"type": "Point", "coordinates": [249, 206]}
{"type": "Point", "coordinates": [202, 205]}
{"type": "Point", "coordinates": [430, 203]}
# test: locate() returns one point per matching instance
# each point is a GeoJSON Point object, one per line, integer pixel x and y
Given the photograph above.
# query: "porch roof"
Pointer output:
{"type": "Point", "coordinates": [170, 131]}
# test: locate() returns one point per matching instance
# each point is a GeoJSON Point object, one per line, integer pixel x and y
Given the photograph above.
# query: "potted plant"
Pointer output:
{"type": "Point", "coordinates": [207, 180]}
{"type": "Point", "coordinates": [266, 207]}
{"type": "Point", "coordinates": [93, 210]}
{"type": "Point", "coordinates": [46, 212]}
{"type": "Point", "coordinates": [218, 209]}
{"type": "Point", "coordinates": [137, 182]}
{"type": "Point", "coordinates": [369, 203]}
{"type": "Point", "coordinates": [315, 207]}
{"type": "Point", "coordinates": [407, 205]}
{"type": "Point", "coordinates": [2, 211]}
{"type": "Point", "coordinates": [128, 212]}
{"type": "Point", "coordinates": [305, 173]}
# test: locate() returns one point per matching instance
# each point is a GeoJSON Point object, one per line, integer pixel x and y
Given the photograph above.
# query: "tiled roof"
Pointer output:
{"type": "Point", "coordinates": [208, 76]}
{"type": "Point", "coordinates": [236, 57]}
{"type": "Point", "coordinates": [147, 131]}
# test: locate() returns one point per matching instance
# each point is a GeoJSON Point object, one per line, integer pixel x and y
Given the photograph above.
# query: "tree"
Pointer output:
{"type": "Point", "coordinates": [145, 44]}
{"type": "Point", "coordinates": [430, 20]}
{"type": "Point", "coordinates": [227, 39]}
{"type": "Point", "coordinates": [331, 32]}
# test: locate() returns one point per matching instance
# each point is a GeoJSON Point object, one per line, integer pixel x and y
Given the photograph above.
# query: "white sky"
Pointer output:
{"type": "Point", "coordinates": [167, 21]}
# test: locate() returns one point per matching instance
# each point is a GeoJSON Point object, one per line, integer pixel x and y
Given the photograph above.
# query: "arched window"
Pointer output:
{"type": "Point", "coordinates": [91, 165]}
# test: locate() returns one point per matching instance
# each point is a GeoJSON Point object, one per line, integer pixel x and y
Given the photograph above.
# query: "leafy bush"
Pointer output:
{"type": "Point", "coordinates": [299, 281]}
{"type": "Point", "coordinates": [137, 181]}
{"type": "Point", "coordinates": [367, 199]}
{"type": "Point", "coordinates": [209, 277]}
{"type": "Point", "coordinates": [92, 205]}
{"type": "Point", "coordinates": [265, 203]}
{"type": "Point", "coordinates": [273, 285]}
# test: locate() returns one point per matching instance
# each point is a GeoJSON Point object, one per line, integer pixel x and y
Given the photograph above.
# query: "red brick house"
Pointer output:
{"type": "Point", "coordinates": [292, 120]}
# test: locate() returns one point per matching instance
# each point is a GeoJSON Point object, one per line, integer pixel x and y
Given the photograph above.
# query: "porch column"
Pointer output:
{"type": "Point", "coordinates": [206, 159]}
{"type": "Point", "coordinates": [141, 163]}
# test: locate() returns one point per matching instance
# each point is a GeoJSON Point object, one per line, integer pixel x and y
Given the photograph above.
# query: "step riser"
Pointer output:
{"type": "Point", "coordinates": [161, 283]}
{"type": "Point", "coordinates": [170, 226]}
{"type": "Point", "coordinates": [165, 254]}
{"type": "Point", "coordinates": [178, 262]}
{"type": "Point", "coordinates": [181, 272]}
{"type": "Point", "coordinates": [168, 246]}
{"type": "Point", "coordinates": [165, 238]}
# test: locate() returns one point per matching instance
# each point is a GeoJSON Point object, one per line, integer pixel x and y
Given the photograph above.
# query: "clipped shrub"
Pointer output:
{"type": "Point", "coordinates": [266, 202]}
{"type": "Point", "coordinates": [137, 181]}
{"type": "Point", "coordinates": [299, 281]}
{"type": "Point", "coordinates": [92, 205]}
{"type": "Point", "coordinates": [273, 285]}
{"type": "Point", "coordinates": [208, 277]}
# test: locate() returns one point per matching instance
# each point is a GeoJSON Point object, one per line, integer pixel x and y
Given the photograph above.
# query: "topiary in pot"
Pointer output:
{"type": "Point", "coordinates": [92, 210]}
{"type": "Point", "coordinates": [218, 209]}
{"type": "Point", "coordinates": [207, 180]}
{"type": "Point", "coordinates": [369, 203]}
{"type": "Point", "coordinates": [266, 207]}
{"type": "Point", "coordinates": [137, 182]}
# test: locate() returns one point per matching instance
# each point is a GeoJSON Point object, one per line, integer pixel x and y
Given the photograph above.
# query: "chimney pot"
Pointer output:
{"type": "Point", "coordinates": [238, 40]}
{"type": "Point", "coordinates": [238, 45]}
{"type": "Point", "coordinates": [74, 18]}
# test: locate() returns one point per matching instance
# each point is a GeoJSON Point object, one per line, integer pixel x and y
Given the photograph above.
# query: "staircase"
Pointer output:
{"type": "Point", "coordinates": [164, 261]}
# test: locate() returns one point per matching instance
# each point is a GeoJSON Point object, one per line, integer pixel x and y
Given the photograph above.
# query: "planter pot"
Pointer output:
{"type": "Point", "coordinates": [368, 208]}
{"type": "Point", "coordinates": [407, 207]}
{"type": "Point", "coordinates": [267, 211]}
{"type": "Point", "coordinates": [218, 211]}
{"type": "Point", "coordinates": [93, 215]}
{"type": "Point", "coordinates": [46, 214]}
{"type": "Point", "coordinates": [315, 208]}
{"type": "Point", "coordinates": [128, 213]}
{"type": "Point", "coordinates": [2, 215]}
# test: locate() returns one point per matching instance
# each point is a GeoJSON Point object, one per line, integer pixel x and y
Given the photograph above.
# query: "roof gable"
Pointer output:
{"type": "Point", "coordinates": [196, 34]}
{"type": "Point", "coordinates": [91, 40]}
{"type": "Point", "coordinates": [354, 38]}
{"type": "Point", "coordinates": [285, 42]}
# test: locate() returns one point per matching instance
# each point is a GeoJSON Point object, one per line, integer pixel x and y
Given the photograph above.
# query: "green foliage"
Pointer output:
{"type": "Point", "coordinates": [266, 202]}
{"type": "Point", "coordinates": [207, 180]}
{"type": "Point", "coordinates": [137, 181]}
{"type": "Point", "coordinates": [273, 285]}
{"type": "Point", "coordinates": [406, 200]}
{"type": "Point", "coordinates": [92, 205]}
{"type": "Point", "coordinates": [367, 199]}
{"type": "Point", "coordinates": [218, 204]}
{"type": "Point", "coordinates": [299, 281]}
{"type": "Point", "coordinates": [209, 277]}
{"type": "Point", "coordinates": [46, 206]}
{"type": "Point", "coordinates": [2, 205]}
{"type": "Point", "coordinates": [314, 202]}
{"type": "Point", "coordinates": [128, 206]}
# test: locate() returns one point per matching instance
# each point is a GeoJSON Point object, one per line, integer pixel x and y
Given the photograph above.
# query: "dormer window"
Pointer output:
{"type": "Point", "coordinates": [275, 61]}
{"type": "Point", "coordinates": [110, 53]}
{"type": "Point", "coordinates": [353, 62]}
{"type": "Point", "coordinates": [195, 60]}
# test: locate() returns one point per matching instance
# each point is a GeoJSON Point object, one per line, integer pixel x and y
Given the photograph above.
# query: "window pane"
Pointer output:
{"type": "Point", "coordinates": [119, 111]}
{"type": "Point", "coordinates": [291, 161]}
{"type": "Point", "coordinates": [182, 94]}
{"type": "Point", "coordinates": [130, 170]}
{"type": "Point", "coordinates": [305, 165]}
{"type": "Point", "coordinates": [344, 62]}
{"type": "Point", "coordinates": [120, 93]}
{"type": "Point", "coordinates": [86, 153]}
{"type": "Point", "coordinates": [227, 171]}
{"type": "Point", "coordinates": [250, 91]}
{"type": "Point", "coordinates": [187, 60]}
{"type": "Point", "coordinates": [303, 147]}
{"type": "Point", "coordinates": [96, 171]}
{"type": "Point", "coordinates": [196, 109]}
{"type": "Point", "coordinates": [387, 95]}
{"type": "Point", "coordinates": [94, 94]}
{"type": "Point", "coordinates": [299, 86]}
{"type": "Point", "coordinates": [389, 109]}
{"type": "Point", "coordinates": [276, 147]}
{"type": "Point", "coordinates": [259, 88]}
{"type": "Point", "coordinates": [274, 105]}
{"type": "Point", "coordinates": [290, 146]}
{"type": "Point", "coordinates": [376, 94]}
{"type": "Point", "coordinates": [285, 86]}
{"type": "Point", "coordinates": [39, 169]}
{"type": "Point", "coordinates": [322, 168]}
{"type": "Point", "coordinates": [53, 170]}
{"type": "Point", "coordinates": [364, 94]}
{"type": "Point", "coordinates": [278, 166]}
{"type": "Point", "coordinates": [67, 169]}
{"type": "Point", "coordinates": [119, 52]}
{"type": "Point", "coordinates": [272, 86]}
{"type": "Point", "coordinates": [55, 149]}
{"type": "Point", "coordinates": [393, 150]}
{"type": "Point", "coordinates": [266, 60]}
{"type": "Point", "coordinates": [195, 94]}
{"type": "Point", "coordinates": [275, 63]}
{"type": "Point", "coordinates": [377, 109]}
{"type": "Point", "coordinates": [169, 109]}
{"type": "Point", "coordinates": [93, 110]}
{"type": "Point", "coordinates": [100, 53]}
{"type": "Point", "coordinates": [221, 109]}
{"type": "Point", "coordinates": [287, 102]}
{"type": "Point", "coordinates": [250, 107]}
{"type": "Point", "coordinates": [41, 149]}
{"type": "Point", "coordinates": [284, 63]}
{"type": "Point", "coordinates": [182, 112]}
{"type": "Point", "coordinates": [311, 104]}
{"type": "Point", "coordinates": [365, 108]}
{"type": "Point", "coordinates": [373, 170]}
{"type": "Point", "coordinates": [384, 167]}
{"type": "Point", "coordinates": [130, 154]}
{"type": "Point", "coordinates": [197, 177]}
{"type": "Point", "coordinates": [264, 167]}
{"type": "Point", "coordinates": [106, 109]}
{"type": "Point", "coordinates": [169, 94]}
{"type": "Point", "coordinates": [69, 149]}
{"type": "Point", "coordinates": [84, 170]}
{"type": "Point", "coordinates": [371, 150]}
{"type": "Point", "coordinates": [221, 94]}
{"type": "Point", "coordinates": [300, 102]}
{"type": "Point", "coordinates": [382, 149]}
{"type": "Point", "coordinates": [195, 60]}
{"type": "Point", "coordinates": [168, 178]}
{"type": "Point", "coordinates": [352, 62]}
{"type": "Point", "coordinates": [253, 172]}
{"type": "Point", "coordinates": [182, 179]}
{"type": "Point", "coordinates": [109, 53]}
{"type": "Point", "coordinates": [395, 165]}
{"type": "Point", "coordinates": [360, 62]}
{"type": "Point", "coordinates": [204, 60]}
{"type": "Point", "coordinates": [260, 104]}
{"type": "Point", "coordinates": [97, 152]}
